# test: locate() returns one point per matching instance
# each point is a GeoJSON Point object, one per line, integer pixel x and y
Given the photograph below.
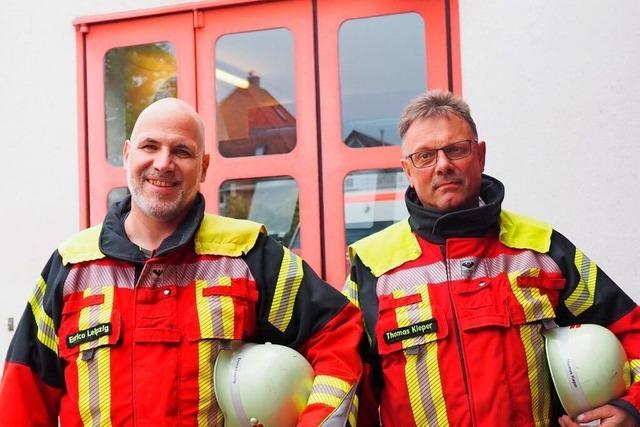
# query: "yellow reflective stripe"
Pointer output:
{"type": "Point", "coordinates": [216, 312]}
{"type": "Point", "coordinates": [422, 371]}
{"type": "Point", "coordinates": [289, 279]}
{"type": "Point", "coordinates": [536, 306]}
{"type": "Point", "coordinates": [634, 368]}
{"type": "Point", "coordinates": [209, 413]}
{"type": "Point", "coordinates": [538, 373]}
{"type": "Point", "coordinates": [350, 290]}
{"type": "Point", "coordinates": [94, 374]}
{"type": "Point", "coordinates": [46, 330]}
{"type": "Point", "coordinates": [583, 295]}
{"type": "Point", "coordinates": [353, 412]}
{"type": "Point", "coordinates": [328, 390]}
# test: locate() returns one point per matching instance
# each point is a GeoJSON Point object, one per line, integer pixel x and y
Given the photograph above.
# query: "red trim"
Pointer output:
{"type": "Point", "coordinates": [157, 11]}
{"type": "Point", "coordinates": [83, 149]}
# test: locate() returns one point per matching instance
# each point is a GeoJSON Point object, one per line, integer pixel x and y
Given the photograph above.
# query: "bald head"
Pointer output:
{"type": "Point", "coordinates": [170, 111]}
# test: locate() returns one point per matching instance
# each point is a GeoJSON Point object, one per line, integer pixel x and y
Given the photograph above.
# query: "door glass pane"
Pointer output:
{"type": "Point", "coordinates": [134, 77]}
{"type": "Point", "coordinates": [255, 93]}
{"type": "Point", "coordinates": [382, 67]}
{"type": "Point", "coordinates": [269, 201]}
{"type": "Point", "coordinates": [373, 200]}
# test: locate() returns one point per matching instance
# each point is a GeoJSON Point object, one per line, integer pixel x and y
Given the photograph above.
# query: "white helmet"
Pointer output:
{"type": "Point", "coordinates": [262, 384]}
{"type": "Point", "coordinates": [588, 366]}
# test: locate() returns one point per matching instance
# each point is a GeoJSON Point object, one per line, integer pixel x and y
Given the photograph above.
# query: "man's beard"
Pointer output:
{"type": "Point", "coordinates": [162, 210]}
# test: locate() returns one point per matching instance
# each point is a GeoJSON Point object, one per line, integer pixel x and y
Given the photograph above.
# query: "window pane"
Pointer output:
{"type": "Point", "coordinates": [117, 194]}
{"type": "Point", "coordinates": [269, 201]}
{"type": "Point", "coordinates": [382, 67]}
{"type": "Point", "coordinates": [134, 77]}
{"type": "Point", "coordinates": [255, 93]}
{"type": "Point", "coordinates": [373, 200]}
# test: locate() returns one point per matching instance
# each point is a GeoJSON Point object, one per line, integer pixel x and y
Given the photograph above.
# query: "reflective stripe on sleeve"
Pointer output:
{"type": "Point", "coordinates": [634, 368]}
{"type": "Point", "coordinates": [328, 390]}
{"type": "Point", "coordinates": [289, 280]}
{"type": "Point", "coordinates": [46, 331]}
{"type": "Point", "coordinates": [583, 295]}
{"type": "Point", "coordinates": [350, 290]}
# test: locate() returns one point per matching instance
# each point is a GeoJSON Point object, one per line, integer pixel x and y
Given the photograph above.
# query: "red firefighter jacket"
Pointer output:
{"type": "Point", "coordinates": [453, 307]}
{"type": "Point", "coordinates": [113, 338]}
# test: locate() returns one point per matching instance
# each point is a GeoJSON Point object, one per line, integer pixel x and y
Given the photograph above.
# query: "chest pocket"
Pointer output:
{"type": "Point", "coordinates": [89, 323]}
{"type": "Point", "coordinates": [407, 321]}
{"type": "Point", "coordinates": [226, 309]}
{"type": "Point", "coordinates": [534, 298]}
{"type": "Point", "coordinates": [481, 303]}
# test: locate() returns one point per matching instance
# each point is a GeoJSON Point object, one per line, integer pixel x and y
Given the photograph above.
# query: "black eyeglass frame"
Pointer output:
{"type": "Point", "coordinates": [468, 141]}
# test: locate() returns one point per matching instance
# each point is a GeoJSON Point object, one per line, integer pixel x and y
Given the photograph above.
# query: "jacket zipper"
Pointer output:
{"type": "Point", "coordinates": [463, 363]}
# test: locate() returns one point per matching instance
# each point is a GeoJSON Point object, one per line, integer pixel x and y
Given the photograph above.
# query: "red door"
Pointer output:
{"type": "Point", "coordinates": [300, 100]}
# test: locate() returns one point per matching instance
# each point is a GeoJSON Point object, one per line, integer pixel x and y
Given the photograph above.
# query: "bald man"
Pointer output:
{"type": "Point", "coordinates": [128, 317]}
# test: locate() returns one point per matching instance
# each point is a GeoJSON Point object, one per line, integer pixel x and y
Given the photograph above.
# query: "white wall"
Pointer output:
{"type": "Point", "coordinates": [553, 87]}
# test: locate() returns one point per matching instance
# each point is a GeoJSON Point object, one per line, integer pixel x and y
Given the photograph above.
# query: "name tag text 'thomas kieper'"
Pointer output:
{"type": "Point", "coordinates": [88, 334]}
{"type": "Point", "coordinates": [417, 329]}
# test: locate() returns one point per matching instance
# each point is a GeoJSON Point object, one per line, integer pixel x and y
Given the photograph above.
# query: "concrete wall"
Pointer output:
{"type": "Point", "coordinates": [553, 87]}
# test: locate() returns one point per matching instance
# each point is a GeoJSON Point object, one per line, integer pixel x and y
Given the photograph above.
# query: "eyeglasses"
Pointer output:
{"type": "Point", "coordinates": [454, 151]}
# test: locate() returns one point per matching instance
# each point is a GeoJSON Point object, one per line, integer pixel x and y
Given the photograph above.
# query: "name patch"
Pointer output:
{"type": "Point", "coordinates": [89, 334]}
{"type": "Point", "coordinates": [417, 329]}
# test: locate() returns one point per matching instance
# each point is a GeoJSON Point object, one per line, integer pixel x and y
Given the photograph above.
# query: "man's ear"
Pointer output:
{"type": "Point", "coordinates": [406, 167]}
{"type": "Point", "coordinates": [205, 166]}
{"type": "Point", "coordinates": [125, 152]}
{"type": "Point", "coordinates": [482, 151]}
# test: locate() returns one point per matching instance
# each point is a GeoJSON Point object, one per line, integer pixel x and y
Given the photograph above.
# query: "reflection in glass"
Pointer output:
{"type": "Point", "coordinates": [382, 67]}
{"type": "Point", "coordinates": [255, 93]}
{"type": "Point", "coordinates": [117, 194]}
{"type": "Point", "coordinates": [373, 200]}
{"type": "Point", "coordinates": [134, 77]}
{"type": "Point", "coordinates": [269, 201]}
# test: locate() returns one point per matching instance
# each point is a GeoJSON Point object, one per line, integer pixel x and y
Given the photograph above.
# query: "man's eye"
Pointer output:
{"type": "Point", "coordinates": [425, 155]}
{"type": "Point", "coordinates": [183, 153]}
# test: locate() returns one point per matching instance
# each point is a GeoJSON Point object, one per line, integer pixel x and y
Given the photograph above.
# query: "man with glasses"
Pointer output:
{"type": "Point", "coordinates": [455, 297]}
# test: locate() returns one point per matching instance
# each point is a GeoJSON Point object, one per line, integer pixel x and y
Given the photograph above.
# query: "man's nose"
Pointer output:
{"type": "Point", "coordinates": [163, 160]}
{"type": "Point", "coordinates": [443, 164]}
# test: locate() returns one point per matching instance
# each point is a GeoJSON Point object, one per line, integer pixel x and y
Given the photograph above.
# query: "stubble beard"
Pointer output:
{"type": "Point", "coordinates": [154, 207]}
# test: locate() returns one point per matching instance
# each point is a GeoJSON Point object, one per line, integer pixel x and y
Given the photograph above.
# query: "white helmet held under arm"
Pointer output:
{"type": "Point", "coordinates": [262, 385]}
{"type": "Point", "coordinates": [588, 366]}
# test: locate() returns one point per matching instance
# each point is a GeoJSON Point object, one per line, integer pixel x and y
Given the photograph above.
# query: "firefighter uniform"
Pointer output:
{"type": "Point", "coordinates": [454, 305]}
{"type": "Point", "coordinates": [113, 337]}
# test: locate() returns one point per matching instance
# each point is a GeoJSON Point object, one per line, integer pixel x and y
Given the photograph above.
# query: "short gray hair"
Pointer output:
{"type": "Point", "coordinates": [435, 103]}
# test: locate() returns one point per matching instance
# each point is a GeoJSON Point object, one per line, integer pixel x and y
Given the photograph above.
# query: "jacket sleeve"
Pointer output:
{"type": "Point", "coordinates": [359, 288]}
{"type": "Point", "coordinates": [590, 296]}
{"type": "Point", "coordinates": [32, 382]}
{"type": "Point", "coordinates": [298, 309]}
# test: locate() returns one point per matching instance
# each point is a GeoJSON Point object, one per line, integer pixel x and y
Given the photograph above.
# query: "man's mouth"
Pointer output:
{"type": "Point", "coordinates": [161, 182]}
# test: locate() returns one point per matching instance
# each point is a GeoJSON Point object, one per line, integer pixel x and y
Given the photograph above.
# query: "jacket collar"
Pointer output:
{"type": "Point", "coordinates": [437, 226]}
{"type": "Point", "coordinates": [114, 241]}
